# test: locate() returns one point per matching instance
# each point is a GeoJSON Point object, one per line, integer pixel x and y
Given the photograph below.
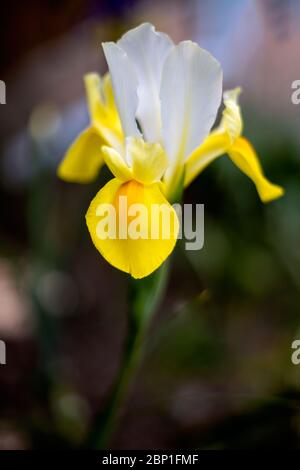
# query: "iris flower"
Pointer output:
{"type": "Point", "coordinates": [150, 123]}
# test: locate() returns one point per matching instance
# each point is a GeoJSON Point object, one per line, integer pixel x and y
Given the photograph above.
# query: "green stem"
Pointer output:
{"type": "Point", "coordinates": [144, 297]}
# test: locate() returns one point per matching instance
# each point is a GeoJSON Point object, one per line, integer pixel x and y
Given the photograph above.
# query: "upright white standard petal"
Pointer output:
{"type": "Point", "coordinates": [125, 85]}
{"type": "Point", "coordinates": [191, 90]}
{"type": "Point", "coordinates": [147, 50]}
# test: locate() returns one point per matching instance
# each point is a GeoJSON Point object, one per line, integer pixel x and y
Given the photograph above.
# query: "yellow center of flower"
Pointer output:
{"type": "Point", "coordinates": [133, 192]}
{"type": "Point", "coordinates": [129, 194]}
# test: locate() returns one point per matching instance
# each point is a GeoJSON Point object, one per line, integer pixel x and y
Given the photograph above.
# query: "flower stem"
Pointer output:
{"type": "Point", "coordinates": [144, 297]}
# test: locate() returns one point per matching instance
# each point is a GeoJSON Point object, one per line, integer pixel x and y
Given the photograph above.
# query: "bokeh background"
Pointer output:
{"type": "Point", "coordinates": [217, 373]}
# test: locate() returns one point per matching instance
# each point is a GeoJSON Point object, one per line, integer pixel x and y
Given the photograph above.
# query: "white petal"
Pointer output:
{"type": "Point", "coordinates": [147, 50]}
{"type": "Point", "coordinates": [125, 86]}
{"type": "Point", "coordinates": [191, 89]}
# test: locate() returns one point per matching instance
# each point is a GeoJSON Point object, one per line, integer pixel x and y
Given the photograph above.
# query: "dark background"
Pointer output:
{"type": "Point", "coordinates": [218, 371]}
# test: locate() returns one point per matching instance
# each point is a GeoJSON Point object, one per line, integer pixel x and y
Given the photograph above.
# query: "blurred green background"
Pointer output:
{"type": "Point", "coordinates": [218, 371]}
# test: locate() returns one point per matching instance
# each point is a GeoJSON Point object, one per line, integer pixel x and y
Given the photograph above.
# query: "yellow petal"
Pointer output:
{"type": "Point", "coordinates": [137, 256]}
{"type": "Point", "coordinates": [244, 156]}
{"type": "Point", "coordinates": [94, 96]}
{"type": "Point", "coordinates": [215, 145]}
{"type": "Point", "coordinates": [83, 159]}
{"type": "Point", "coordinates": [231, 121]}
{"type": "Point", "coordinates": [116, 164]}
{"type": "Point", "coordinates": [103, 112]}
{"type": "Point", "coordinates": [148, 160]}
{"type": "Point", "coordinates": [108, 93]}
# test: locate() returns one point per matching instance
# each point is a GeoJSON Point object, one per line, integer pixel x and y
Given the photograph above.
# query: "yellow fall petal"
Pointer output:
{"type": "Point", "coordinates": [83, 159]}
{"type": "Point", "coordinates": [109, 94]}
{"type": "Point", "coordinates": [92, 83]}
{"type": "Point", "coordinates": [215, 145]}
{"type": "Point", "coordinates": [103, 112]}
{"type": "Point", "coordinates": [244, 156]}
{"type": "Point", "coordinates": [219, 140]}
{"type": "Point", "coordinates": [226, 139]}
{"type": "Point", "coordinates": [137, 256]}
{"type": "Point", "coordinates": [100, 99]}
